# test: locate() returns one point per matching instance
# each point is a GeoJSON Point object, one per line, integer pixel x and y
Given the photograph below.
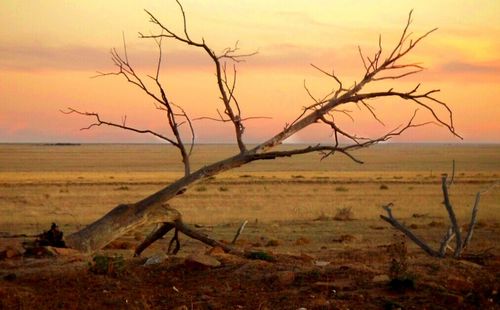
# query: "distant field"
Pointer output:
{"type": "Point", "coordinates": [76, 184]}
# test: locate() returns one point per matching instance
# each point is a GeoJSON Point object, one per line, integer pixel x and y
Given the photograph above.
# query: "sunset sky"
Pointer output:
{"type": "Point", "coordinates": [50, 49]}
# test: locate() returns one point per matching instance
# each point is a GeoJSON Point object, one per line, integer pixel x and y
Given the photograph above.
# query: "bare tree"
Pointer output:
{"type": "Point", "coordinates": [153, 209]}
{"type": "Point", "coordinates": [453, 232]}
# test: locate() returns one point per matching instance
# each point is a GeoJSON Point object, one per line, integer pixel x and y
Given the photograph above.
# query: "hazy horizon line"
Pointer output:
{"type": "Point", "coordinates": [231, 143]}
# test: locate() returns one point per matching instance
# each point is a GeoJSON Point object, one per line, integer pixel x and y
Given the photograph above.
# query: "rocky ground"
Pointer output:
{"type": "Point", "coordinates": [383, 276]}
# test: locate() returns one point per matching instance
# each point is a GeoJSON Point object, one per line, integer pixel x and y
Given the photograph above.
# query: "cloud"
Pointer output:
{"type": "Point", "coordinates": [460, 67]}
{"type": "Point", "coordinates": [39, 57]}
{"type": "Point", "coordinates": [85, 58]}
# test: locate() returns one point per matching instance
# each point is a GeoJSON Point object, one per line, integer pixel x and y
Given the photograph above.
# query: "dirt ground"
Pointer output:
{"type": "Point", "coordinates": [342, 271]}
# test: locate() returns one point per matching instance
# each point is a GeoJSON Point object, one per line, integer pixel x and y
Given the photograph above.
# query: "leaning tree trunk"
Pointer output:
{"type": "Point", "coordinates": [151, 210]}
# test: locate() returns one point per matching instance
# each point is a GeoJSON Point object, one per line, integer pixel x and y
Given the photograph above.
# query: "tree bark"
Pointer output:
{"type": "Point", "coordinates": [150, 210]}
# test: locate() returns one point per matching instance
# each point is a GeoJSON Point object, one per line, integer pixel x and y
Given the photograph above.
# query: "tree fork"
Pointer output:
{"type": "Point", "coordinates": [151, 210]}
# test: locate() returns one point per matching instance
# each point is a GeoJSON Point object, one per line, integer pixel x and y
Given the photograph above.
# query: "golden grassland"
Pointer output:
{"type": "Point", "coordinates": [76, 184]}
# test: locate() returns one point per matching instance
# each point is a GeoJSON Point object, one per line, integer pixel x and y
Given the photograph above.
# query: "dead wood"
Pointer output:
{"type": "Point", "coordinates": [382, 65]}
{"type": "Point", "coordinates": [454, 232]}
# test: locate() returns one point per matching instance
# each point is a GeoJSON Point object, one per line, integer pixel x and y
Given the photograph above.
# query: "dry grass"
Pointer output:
{"type": "Point", "coordinates": [74, 185]}
{"type": "Point", "coordinates": [344, 214]}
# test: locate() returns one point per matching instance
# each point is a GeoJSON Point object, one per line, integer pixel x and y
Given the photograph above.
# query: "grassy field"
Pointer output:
{"type": "Point", "coordinates": [319, 262]}
{"type": "Point", "coordinates": [74, 185]}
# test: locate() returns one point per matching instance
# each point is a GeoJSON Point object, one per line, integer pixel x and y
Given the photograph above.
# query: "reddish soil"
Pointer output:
{"type": "Point", "coordinates": [352, 279]}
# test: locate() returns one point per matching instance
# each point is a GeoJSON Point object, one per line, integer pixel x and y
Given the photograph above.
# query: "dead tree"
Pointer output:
{"type": "Point", "coordinates": [153, 209]}
{"type": "Point", "coordinates": [454, 232]}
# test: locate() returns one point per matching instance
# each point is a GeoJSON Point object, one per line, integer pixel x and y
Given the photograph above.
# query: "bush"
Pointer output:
{"type": "Point", "coordinates": [400, 277]}
{"type": "Point", "coordinates": [260, 256]}
{"type": "Point", "coordinates": [323, 217]}
{"type": "Point", "coordinates": [107, 265]}
{"type": "Point", "coordinates": [383, 187]}
{"type": "Point", "coordinates": [344, 214]}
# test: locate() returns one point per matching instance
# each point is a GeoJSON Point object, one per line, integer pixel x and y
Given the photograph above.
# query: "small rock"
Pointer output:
{"type": "Point", "coordinates": [307, 257]}
{"type": "Point", "coordinates": [285, 277]}
{"type": "Point", "coordinates": [64, 251]}
{"type": "Point", "coordinates": [217, 250]}
{"type": "Point", "coordinates": [9, 252]}
{"type": "Point", "coordinates": [320, 263]}
{"type": "Point", "coordinates": [302, 241]}
{"type": "Point", "coordinates": [155, 259]}
{"type": "Point", "coordinates": [201, 261]}
{"type": "Point", "coordinates": [205, 297]}
{"type": "Point", "coordinates": [381, 278]}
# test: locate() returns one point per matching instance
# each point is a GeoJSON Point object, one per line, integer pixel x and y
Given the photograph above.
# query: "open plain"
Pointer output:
{"type": "Point", "coordinates": [291, 205]}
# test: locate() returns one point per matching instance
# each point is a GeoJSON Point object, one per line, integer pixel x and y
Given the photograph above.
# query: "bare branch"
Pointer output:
{"type": "Point", "coordinates": [401, 227]}
{"type": "Point", "coordinates": [446, 241]}
{"type": "Point", "coordinates": [453, 219]}
{"type": "Point", "coordinates": [473, 221]}
{"type": "Point", "coordinates": [239, 231]}
{"type": "Point", "coordinates": [322, 111]}
{"type": "Point", "coordinates": [98, 122]}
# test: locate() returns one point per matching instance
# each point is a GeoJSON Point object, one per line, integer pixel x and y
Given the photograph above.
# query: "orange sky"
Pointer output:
{"type": "Point", "coordinates": [49, 49]}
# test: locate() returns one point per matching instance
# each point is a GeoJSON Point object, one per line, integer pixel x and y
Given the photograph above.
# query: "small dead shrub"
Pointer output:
{"type": "Point", "coordinates": [201, 189]}
{"type": "Point", "coordinates": [436, 224]}
{"type": "Point", "coordinates": [298, 177]}
{"type": "Point", "coordinates": [223, 189]}
{"type": "Point", "coordinates": [384, 187]}
{"type": "Point", "coordinates": [344, 214]}
{"type": "Point", "coordinates": [341, 189]}
{"type": "Point", "coordinates": [322, 217]}
{"type": "Point", "coordinates": [346, 238]}
{"type": "Point", "coordinates": [122, 188]}
{"type": "Point", "coordinates": [420, 215]}
{"type": "Point", "coordinates": [260, 256]}
{"type": "Point", "coordinates": [107, 265]}
{"type": "Point", "coordinates": [273, 242]}
{"type": "Point", "coordinates": [401, 278]}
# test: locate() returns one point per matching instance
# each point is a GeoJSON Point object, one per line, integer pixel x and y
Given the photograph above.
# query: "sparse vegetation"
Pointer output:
{"type": "Point", "coordinates": [341, 189]}
{"type": "Point", "coordinates": [400, 277]}
{"type": "Point", "coordinates": [107, 265]}
{"type": "Point", "coordinates": [323, 217]}
{"type": "Point", "coordinates": [344, 214]}
{"type": "Point", "coordinates": [260, 255]}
